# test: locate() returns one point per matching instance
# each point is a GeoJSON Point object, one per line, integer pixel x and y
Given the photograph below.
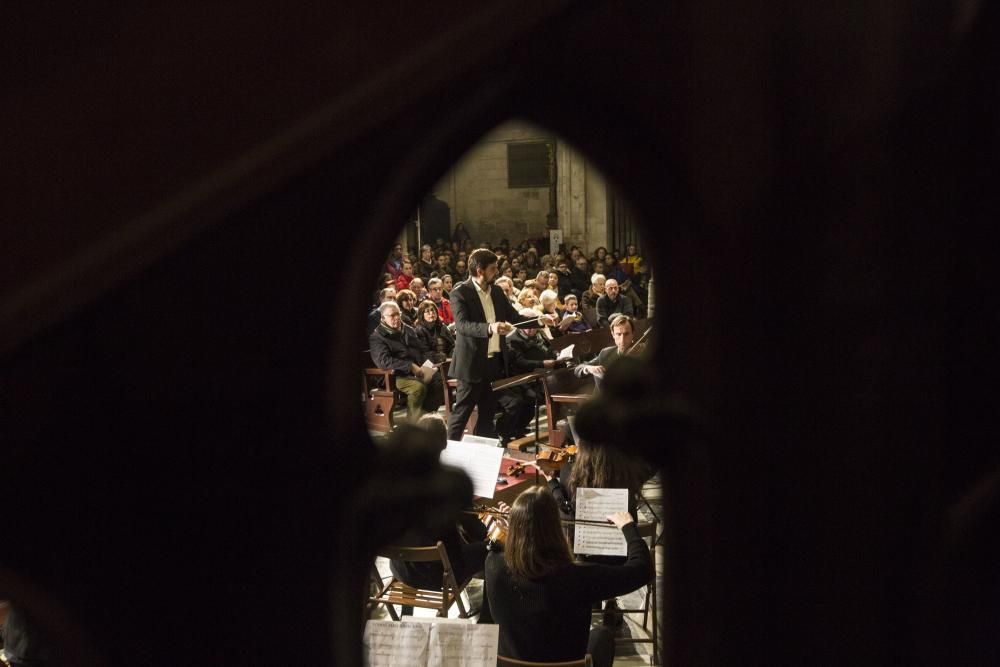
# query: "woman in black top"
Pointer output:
{"type": "Point", "coordinates": [542, 599]}
{"type": "Point", "coordinates": [435, 334]}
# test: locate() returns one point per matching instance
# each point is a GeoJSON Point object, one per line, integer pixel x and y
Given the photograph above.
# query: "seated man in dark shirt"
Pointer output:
{"type": "Point", "coordinates": [528, 351]}
{"type": "Point", "coordinates": [396, 346]}
{"type": "Point", "coordinates": [612, 302]}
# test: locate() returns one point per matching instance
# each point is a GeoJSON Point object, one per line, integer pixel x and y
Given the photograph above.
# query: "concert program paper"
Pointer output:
{"type": "Point", "coordinates": [415, 644]}
{"type": "Point", "coordinates": [480, 462]}
{"type": "Point", "coordinates": [596, 505]}
{"type": "Point", "coordinates": [566, 352]}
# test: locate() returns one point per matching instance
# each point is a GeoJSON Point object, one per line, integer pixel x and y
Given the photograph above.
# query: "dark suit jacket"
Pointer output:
{"type": "Point", "coordinates": [472, 333]}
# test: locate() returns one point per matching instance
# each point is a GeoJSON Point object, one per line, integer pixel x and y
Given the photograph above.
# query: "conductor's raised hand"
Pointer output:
{"type": "Point", "coordinates": [620, 519]}
{"type": "Point", "coordinates": [503, 328]}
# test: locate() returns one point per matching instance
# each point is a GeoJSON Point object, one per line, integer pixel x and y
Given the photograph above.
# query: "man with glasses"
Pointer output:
{"type": "Point", "coordinates": [396, 346]}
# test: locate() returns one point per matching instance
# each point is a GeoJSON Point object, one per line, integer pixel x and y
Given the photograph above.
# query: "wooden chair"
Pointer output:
{"type": "Point", "coordinates": [379, 395]}
{"type": "Point", "coordinates": [397, 592]}
{"type": "Point", "coordinates": [648, 609]}
{"type": "Point", "coordinates": [585, 661]}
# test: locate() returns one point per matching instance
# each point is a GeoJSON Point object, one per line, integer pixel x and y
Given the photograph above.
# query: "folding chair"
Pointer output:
{"type": "Point", "coordinates": [648, 609]}
{"type": "Point", "coordinates": [398, 592]}
{"type": "Point", "coordinates": [511, 662]}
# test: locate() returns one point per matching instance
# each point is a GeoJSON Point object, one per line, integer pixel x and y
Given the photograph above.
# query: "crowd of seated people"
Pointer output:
{"type": "Point", "coordinates": [602, 283]}
{"type": "Point", "coordinates": [580, 291]}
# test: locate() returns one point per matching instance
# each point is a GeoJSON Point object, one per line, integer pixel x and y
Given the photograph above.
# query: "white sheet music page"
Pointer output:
{"type": "Point", "coordinates": [463, 645]}
{"type": "Point", "coordinates": [480, 462]}
{"type": "Point", "coordinates": [566, 352]}
{"type": "Point", "coordinates": [596, 505]}
{"type": "Point", "coordinates": [396, 643]}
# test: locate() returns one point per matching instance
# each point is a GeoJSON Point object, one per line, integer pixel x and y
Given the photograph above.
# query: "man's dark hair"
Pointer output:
{"type": "Point", "coordinates": [480, 259]}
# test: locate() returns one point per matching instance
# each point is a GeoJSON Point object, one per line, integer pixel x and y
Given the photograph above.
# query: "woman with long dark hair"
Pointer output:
{"type": "Point", "coordinates": [542, 599]}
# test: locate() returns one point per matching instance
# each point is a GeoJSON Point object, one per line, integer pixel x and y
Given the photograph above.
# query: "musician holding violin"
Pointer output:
{"type": "Point", "coordinates": [527, 351]}
{"type": "Point", "coordinates": [623, 332]}
{"type": "Point", "coordinates": [542, 599]}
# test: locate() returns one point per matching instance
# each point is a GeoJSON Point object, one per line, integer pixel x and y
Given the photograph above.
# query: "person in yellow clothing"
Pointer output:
{"type": "Point", "coordinates": [632, 262]}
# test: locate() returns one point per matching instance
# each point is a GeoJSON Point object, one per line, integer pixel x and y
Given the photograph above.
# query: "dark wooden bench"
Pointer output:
{"type": "Point", "coordinates": [378, 395]}
{"type": "Point", "coordinates": [564, 389]}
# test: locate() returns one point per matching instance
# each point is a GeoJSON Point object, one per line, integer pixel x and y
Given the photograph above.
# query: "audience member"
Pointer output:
{"type": "Point", "coordinates": [405, 275]}
{"type": "Point", "coordinates": [375, 316]}
{"type": "Point", "coordinates": [395, 346]}
{"type": "Point", "coordinates": [435, 335]}
{"type": "Point", "coordinates": [611, 303]}
{"type": "Point", "coordinates": [407, 300]}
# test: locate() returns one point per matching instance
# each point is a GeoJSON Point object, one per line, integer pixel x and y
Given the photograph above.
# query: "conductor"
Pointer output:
{"type": "Point", "coordinates": [483, 318]}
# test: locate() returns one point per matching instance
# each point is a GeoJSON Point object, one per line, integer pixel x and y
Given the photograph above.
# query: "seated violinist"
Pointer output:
{"type": "Point", "coordinates": [527, 351]}
{"type": "Point", "coordinates": [542, 599]}
{"type": "Point", "coordinates": [622, 331]}
{"type": "Point", "coordinates": [464, 541]}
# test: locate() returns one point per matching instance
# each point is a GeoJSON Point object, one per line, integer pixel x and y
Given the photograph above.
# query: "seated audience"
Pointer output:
{"type": "Point", "coordinates": [407, 302]}
{"type": "Point", "coordinates": [375, 316]}
{"type": "Point", "coordinates": [405, 275]}
{"type": "Point", "coordinates": [571, 320]}
{"type": "Point", "coordinates": [435, 335]}
{"type": "Point", "coordinates": [611, 303]}
{"type": "Point", "coordinates": [596, 291]}
{"type": "Point", "coordinates": [395, 345]}
{"type": "Point", "coordinates": [435, 293]}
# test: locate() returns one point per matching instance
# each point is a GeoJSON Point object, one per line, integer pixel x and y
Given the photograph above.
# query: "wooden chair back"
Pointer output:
{"type": "Point", "coordinates": [585, 661]}
{"type": "Point", "coordinates": [398, 592]}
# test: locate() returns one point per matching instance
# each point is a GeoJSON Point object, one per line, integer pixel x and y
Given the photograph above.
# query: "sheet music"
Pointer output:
{"type": "Point", "coordinates": [427, 364]}
{"type": "Point", "coordinates": [396, 643]}
{"type": "Point", "coordinates": [465, 645]}
{"type": "Point", "coordinates": [480, 462]}
{"type": "Point", "coordinates": [596, 505]}
{"type": "Point", "coordinates": [438, 643]}
{"type": "Point", "coordinates": [566, 352]}
{"type": "Point", "coordinates": [478, 440]}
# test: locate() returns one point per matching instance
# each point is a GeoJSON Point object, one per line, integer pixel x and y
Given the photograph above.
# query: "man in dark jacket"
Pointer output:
{"type": "Point", "coordinates": [396, 346]}
{"type": "Point", "coordinates": [528, 351]}
{"type": "Point", "coordinates": [612, 302]}
{"type": "Point", "coordinates": [483, 317]}
{"type": "Point", "coordinates": [579, 278]}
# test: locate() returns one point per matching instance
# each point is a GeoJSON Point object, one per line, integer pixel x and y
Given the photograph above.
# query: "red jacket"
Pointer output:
{"type": "Point", "coordinates": [444, 311]}
{"type": "Point", "coordinates": [402, 282]}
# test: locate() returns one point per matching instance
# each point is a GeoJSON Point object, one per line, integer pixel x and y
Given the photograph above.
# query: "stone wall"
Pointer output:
{"type": "Point", "coordinates": [477, 192]}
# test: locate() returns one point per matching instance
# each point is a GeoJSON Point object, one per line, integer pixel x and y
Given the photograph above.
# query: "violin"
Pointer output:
{"type": "Point", "coordinates": [555, 458]}
{"type": "Point", "coordinates": [496, 525]}
{"type": "Point", "coordinates": [515, 470]}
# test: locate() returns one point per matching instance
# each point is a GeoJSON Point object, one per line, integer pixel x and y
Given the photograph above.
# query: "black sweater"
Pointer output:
{"type": "Point", "coordinates": [549, 619]}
